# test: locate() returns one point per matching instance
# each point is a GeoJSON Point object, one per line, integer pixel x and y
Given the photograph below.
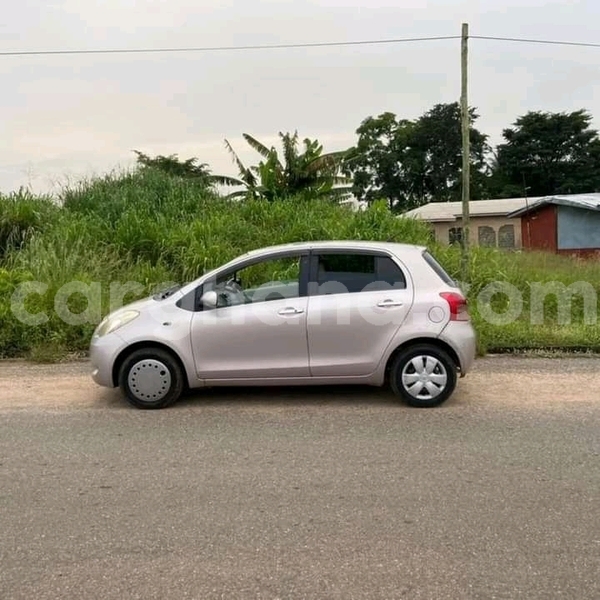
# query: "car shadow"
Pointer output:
{"type": "Point", "coordinates": [281, 395]}
{"type": "Point", "coordinates": [272, 397]}
{"type": "Point", "coordinates": [330, 395]}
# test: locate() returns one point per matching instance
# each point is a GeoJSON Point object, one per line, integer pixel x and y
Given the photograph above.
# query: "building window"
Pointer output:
{"type": "Point", "coordinates": [455, 235]}
{"type": "Point", "coordinates": [486, 235]}
{"type": "Point", "coordinates": [506, 236]}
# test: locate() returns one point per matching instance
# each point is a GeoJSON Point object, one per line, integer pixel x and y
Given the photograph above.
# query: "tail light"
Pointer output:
{"type": "Point", "coordinates": [458, 306]}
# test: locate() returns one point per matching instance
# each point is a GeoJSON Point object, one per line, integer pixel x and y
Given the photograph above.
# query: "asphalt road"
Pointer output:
{"type": "Point", "coordinates": [315, 493]}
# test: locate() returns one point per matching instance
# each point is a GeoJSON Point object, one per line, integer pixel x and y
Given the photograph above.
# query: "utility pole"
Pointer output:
{"type": "Point", "coordinates": [466, 152]}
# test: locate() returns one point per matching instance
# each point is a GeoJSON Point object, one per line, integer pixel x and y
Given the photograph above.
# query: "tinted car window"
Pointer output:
{"type": "Point", "coordinates": [351, 273]}
{"type": "Point", "coordinates": [389, 272]}
{"type": "Point", "coordinates": [347, 263]}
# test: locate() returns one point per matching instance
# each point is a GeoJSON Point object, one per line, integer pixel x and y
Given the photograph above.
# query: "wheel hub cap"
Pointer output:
{"type": "Point", "coordinates": [149, 380]}
{"type": "Point", "coordinates": [424, 377]}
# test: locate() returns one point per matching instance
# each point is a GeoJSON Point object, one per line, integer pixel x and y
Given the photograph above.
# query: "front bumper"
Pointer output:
{"type": "Point", "coordinates": [103, 353]}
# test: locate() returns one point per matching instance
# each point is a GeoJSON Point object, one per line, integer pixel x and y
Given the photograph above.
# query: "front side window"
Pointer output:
{"type": "Point", "coordinates": [352, 273]}
{"type": "Point", "coordinates": [267, 280]}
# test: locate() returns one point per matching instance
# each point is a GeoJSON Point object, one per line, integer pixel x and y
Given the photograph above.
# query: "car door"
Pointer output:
{"type": "Point", "coordinates": [357, 302]}
{"type": "Point", "coordinates": [261, 333]}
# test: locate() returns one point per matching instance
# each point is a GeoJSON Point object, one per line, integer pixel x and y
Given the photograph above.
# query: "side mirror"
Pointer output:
{"type": "Point", "coordinates": [209, 299]}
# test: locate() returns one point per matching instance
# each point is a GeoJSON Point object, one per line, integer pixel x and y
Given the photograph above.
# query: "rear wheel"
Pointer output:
{"type": "Point", "coordinates": [424, 376]}
{"type": "Point", "coordinates": [151, 378]}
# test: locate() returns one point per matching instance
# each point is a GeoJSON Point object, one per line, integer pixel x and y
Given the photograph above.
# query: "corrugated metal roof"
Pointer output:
{"type": "Point", "coordinates": [583, 201]}
{"type": "Point", "coordinates": [451, 211]}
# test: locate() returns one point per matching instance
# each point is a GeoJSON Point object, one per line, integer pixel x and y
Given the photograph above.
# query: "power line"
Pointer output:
{"type": "Point", "coordinates": [288, 46]}
{"type": "Point", "coordinates": [533, 41]}
{"type": "Point", "coordinates": [222, 48]}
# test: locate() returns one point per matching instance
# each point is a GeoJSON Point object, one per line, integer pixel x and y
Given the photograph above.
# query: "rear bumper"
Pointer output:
{"type": "Point", "coordinates": [461, 337]}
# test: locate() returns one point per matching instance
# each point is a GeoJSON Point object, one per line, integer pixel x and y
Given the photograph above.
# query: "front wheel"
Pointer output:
{"type": "Point", "coordinates": [151, 378]}
{"type": "Point", "coordinates": [424, 376]}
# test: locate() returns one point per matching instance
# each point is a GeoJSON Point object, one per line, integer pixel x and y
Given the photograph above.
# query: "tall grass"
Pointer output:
{"type": "Point", "coordinates": [21, 215]}
{"type": "Point", "coordinates": [560, 320]}
{"type": "Point", "coordinates": [150, 228]}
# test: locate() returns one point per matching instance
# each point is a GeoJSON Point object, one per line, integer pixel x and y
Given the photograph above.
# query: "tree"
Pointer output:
{"type": "Point", "coordinates": [410, 163]}
{"type": "Point", "coordinates": [548, 153]}
{"type": "Point", "coordinates": [188, 169]}
{"type": "Point", "coordinates": [308, 172]}
{"type": "Point", "coordinates": [438, 147]}
{"type": "Point", "coordinates": [378, 163]}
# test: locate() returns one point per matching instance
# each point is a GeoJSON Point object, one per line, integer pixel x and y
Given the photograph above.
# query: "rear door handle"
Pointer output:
{"type": "Point", "coordinates": [290, 310]}
{"type": "Point", "coordinates": [389, 303]}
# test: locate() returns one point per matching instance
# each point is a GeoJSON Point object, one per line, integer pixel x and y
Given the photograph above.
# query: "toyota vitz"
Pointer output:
{"type": "Point", "coordinates": [348, 312]}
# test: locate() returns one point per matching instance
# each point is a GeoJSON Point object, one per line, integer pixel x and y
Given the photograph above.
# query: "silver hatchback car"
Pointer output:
{"type": "Point", "coordinates": [347, 312]}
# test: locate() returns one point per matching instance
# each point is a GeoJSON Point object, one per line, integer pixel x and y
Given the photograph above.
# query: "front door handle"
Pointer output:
{"type": "Point", "coordinates": [389, 303]}
{"type": "Point", "coordinates": [290, 310]}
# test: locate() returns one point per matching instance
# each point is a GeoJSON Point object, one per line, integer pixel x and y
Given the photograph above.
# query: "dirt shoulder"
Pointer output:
{"type": "Point", "coordinates": [497, 379]}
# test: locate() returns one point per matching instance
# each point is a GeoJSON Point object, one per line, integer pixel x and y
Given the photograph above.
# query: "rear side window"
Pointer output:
{"type": "Point", "coordinates": [347, 263]}
{"type": "Point", "coordinates": [352, 273]}
{"type": "Point", "coordinates": [441, 273]}
{"type": "Point", "coordinates": [389, 272]}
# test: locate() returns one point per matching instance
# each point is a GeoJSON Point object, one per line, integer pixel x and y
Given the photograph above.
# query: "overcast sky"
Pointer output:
{"type": "Point", "coordinates": [63, 116]}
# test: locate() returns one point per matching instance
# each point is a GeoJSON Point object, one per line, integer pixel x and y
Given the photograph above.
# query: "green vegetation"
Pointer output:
{"type": "Point", "coordinates": [152, 228]}
{"type": "Point", "coordinates": [412, 162]}
{"type": "Point", "coordinates": [547, 153]}
{"type": "Point", "coordinates": [409, 162]}
{"type": "Point", "coordinates": [558, 320]}
{"type": "Point", "coordinates": [309, 173]}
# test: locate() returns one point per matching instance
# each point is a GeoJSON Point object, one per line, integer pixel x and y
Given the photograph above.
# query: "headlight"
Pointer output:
{"type": "Point", "coordinates": [113, 322]}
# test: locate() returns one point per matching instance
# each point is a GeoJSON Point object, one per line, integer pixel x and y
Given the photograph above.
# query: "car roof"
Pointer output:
{"type": "Point", "coordinates": [394, 247]}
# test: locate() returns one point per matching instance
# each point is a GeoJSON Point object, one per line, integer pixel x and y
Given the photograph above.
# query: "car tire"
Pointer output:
{"type": "Point", "coordinates": [423, 376]}
{"type": "Point", "coordinates": [151, 378]}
